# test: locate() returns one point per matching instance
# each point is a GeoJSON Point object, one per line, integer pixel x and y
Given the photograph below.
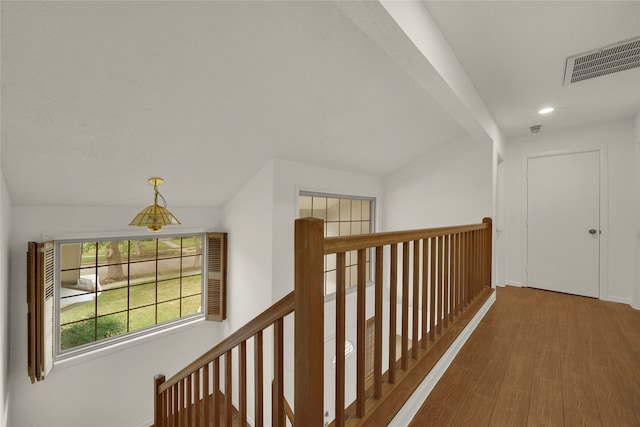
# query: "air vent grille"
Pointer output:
{"type": "Point", "coordinates": [611, 59]}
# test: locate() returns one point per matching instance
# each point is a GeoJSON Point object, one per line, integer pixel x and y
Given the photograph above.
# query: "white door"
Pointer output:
{"type": "Point", "coordinates": [563, 217]}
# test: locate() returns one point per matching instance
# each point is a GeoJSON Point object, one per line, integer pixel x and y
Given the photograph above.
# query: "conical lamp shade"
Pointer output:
{"type": "Point", "coordinates": [154, 217]}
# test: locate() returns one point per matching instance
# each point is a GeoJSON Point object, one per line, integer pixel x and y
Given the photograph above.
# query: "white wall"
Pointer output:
{"type": "Point", "coordinates": [5, 231]}
{"type": "Point", "coordinates": [110, 387]}
{"type": "Point", "coordinates": [615, 138]}
{"type": "Point", "coordinates": [289, 179]}
{"type": "Point", "coordinates": [452, 185]}
{"type": "Point", "coordinates": [248, 218]}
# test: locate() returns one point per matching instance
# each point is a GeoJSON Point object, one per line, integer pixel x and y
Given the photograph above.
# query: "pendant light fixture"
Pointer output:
{"type": "Point", "coordinates": [154, 217]}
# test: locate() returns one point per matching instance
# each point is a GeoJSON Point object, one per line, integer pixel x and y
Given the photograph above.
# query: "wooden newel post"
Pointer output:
{"type": "Point", "coordinates": [158, 408]}
{"type": "Point", "coordinates": [309, 322]}
{"type": "Point", "coordinates": [488, 250]}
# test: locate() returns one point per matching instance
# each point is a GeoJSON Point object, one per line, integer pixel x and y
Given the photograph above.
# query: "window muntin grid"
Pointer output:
{"type": "Point", "coordinates": [343, 216]}
{"type": "Point", "coordinates": [140, 284]}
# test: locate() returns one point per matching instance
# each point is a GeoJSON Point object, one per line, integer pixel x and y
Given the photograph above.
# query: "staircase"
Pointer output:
{"type": "Point", "coordinates": [427, 285]}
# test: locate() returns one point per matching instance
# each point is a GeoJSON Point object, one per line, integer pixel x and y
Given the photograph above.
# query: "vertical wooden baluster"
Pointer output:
{"type": "Point", "coordinates": [488, 251]}
{"type": "Point", "coordinates": [377, 358]}
{"type": "Point", "coordinates": [158, 406]}
{"type": "Point", "coordinates": [447, 286]}
{"type": "Point", "coordinates": [189, 400]}
{"type": "Point", "coordinates": [481, 265]}
{"type": "Point", "coordinates": [278, 374]}
{"type": "Point", "coordinates": [180, 399]}
{"type": "Point", "coordinates": [309, 322]}
{"type": "Point", "coordinates": [483, 258]}
{"type": "Point", "coordinates": [461, 273]}
{"type": "Point", "coordinates": [174, 398]}
{"type": "Point", "coordinates": [206, 396]}
{"type": "Point", "coordinates": [405, 306]}
{"type": "Point", "coordinates": [167, 406]}
{"type": "Point", "coordinates": [477, 250]}
{"type": "Point", "coordinates": [463, 277]}
{"type": "Point", "coordinates": [468, 254]}
{"type": "Point", "coordinates": [393, 301]}
{"type": "Point", "coordinates": [242, 386]}
{"type": "Point", "coordinates": [470, 266]}
{"type": "Point", "coordinates": [340, 338]}
{"type": "Point", "coordinates": [170, 409]}
{"type": "Point", "coordinates": [217, 404]}
{"type": "Point", "coordinates": [183, 402]}
{"type": "Point", "coordinates": [474, 265]}
{"type": "Point", "coordinates": [454, 276]}
{"type": "Point", "coordinates": [415, 299]}
{"type": "Point", "coordinates": [259, 374]}
{"type": "Point", "coordinates": [478, 261]}
{"type": "Point", "coordinates": [198, 398]}
{"type": "Point", "coordinates": [425, 291]}
{"type": "Point", "coordinates": [440, 300]}
{"type": "Point", "coordinates": [361, 330]}
{"type": "Point", "coordinates": [432, 289]}
{"type": "Point", "coordinates": [465, 269]}
{"type": "Point", "coordinates": [228, 386]}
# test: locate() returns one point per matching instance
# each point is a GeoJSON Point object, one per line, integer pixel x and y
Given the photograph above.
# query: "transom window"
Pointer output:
{"type": "Point", "coordinates": [112, 288]}
{"type": "Point", "coordinates": [343, 216]}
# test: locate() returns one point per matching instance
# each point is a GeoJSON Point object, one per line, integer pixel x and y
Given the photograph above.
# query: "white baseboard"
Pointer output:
{"type": "Point", "coordinates": [512, 283]}
{"type": "Point", "coordinates": [614, 298]}
{"type": "Point", "coordinates": [410, 409]}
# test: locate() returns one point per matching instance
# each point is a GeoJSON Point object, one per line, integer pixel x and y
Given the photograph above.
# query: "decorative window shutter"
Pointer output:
{"type": "Point", "coordinates": [216, 276]}
{"type": "Point", "coordinates": [40, 308]}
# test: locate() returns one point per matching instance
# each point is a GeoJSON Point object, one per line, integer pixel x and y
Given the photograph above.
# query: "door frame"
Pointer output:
{"type": "Point", "coordinates": [603, 292]}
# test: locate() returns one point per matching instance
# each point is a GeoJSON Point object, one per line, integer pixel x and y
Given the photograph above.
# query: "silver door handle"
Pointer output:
{"type": "Point", "coordinates": [593, 231]}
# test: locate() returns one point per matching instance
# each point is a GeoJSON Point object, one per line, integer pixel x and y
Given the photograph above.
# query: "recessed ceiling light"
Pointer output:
{"type": "Point", "coordinates": [546, 110]}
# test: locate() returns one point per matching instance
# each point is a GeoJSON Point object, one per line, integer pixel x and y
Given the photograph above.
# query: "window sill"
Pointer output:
{"type": "Point", "coordinates": [63, 361]}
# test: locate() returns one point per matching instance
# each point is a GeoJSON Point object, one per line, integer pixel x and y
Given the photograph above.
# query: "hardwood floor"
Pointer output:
{"type": "Point", "coordinates": [542, 358]}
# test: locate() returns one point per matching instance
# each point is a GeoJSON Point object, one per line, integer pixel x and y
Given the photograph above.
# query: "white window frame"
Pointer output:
{"type": "Point", "coordinates": [61, 355]}
{"type": "Point", "coordinates": [372, 228]}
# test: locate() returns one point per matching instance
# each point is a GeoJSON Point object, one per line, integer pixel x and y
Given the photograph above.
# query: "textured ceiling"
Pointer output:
{"type": "Point", "coordinates": [515, 52]}
{"type": "Point", "coordinates": [99, 96]}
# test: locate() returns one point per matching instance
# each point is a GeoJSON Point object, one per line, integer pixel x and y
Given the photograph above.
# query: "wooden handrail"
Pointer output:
{"type": "Point", "coordinates": [334, 245]}
{"type": "Point", "coordinates": [277, 311]}
{"type": "Point", "coordinates": [288, 412]}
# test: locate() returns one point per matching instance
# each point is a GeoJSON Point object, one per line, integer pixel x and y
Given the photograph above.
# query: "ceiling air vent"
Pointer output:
{"type": "Point", "coordinates": [610, 59]}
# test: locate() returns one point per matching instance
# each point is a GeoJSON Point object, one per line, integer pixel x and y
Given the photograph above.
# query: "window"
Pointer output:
{"type": "Point", "coordinates": [343, 216]}
{"type": "Point", "coordinates": [110, 288]}
{"type": "Point", "coordinates": [85, 294]}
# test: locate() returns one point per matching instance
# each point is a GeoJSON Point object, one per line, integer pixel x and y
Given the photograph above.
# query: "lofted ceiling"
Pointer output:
{"type": "Point", "coordinates": [515, 52]}
{"type": "Point", "coordinates": [99, 96]}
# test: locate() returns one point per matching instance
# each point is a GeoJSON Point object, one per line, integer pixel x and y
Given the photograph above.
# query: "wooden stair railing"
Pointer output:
{"type": "Point", "coordinates": [192, 397]}
{"type": "Point", "coordinates": [445, 272]}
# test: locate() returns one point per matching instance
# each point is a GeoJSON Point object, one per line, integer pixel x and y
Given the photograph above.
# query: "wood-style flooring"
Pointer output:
{"type": "Point", "coordinates": [542, 358]}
